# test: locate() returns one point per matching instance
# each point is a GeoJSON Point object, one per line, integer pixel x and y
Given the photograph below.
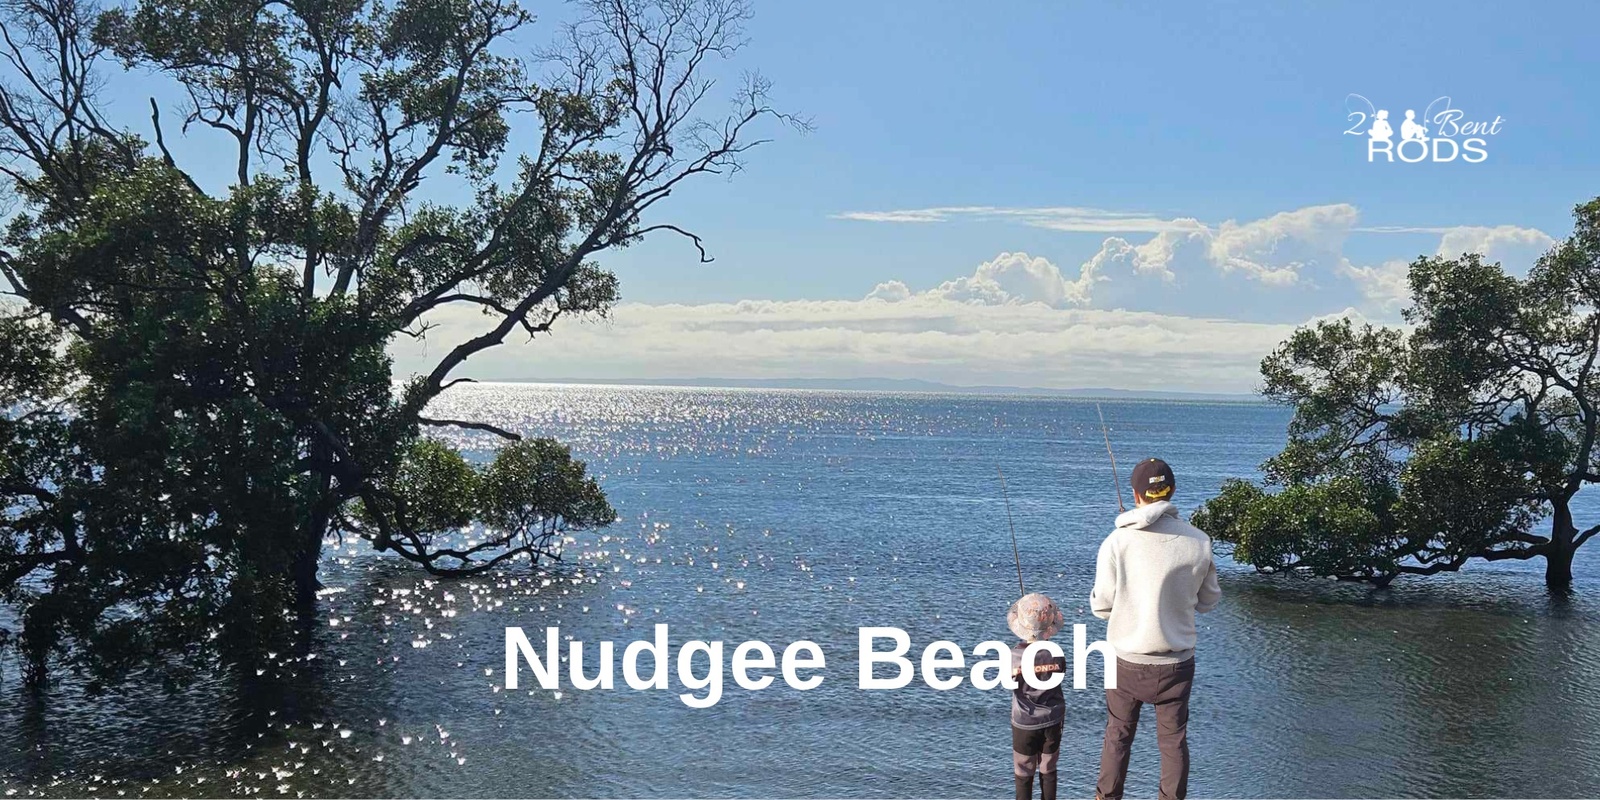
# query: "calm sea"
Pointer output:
{"type": "Point", "coordinates": [785, 515]}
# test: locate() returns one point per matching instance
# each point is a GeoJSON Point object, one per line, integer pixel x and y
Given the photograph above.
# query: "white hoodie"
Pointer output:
{"type": "Point", "coordinates": [1154, 572]}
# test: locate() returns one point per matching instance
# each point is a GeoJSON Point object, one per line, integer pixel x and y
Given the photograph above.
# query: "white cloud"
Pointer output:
{"type": "Point", "coordinates": [1386, 288]}
{"type": "Point", "coordinates": [1274, 251]}
{"type": "Point", "coordinates": [1017, 278]}
{"type": "Point", "coordinates": [1516, 248]}
{"type": "Point", "coordinates": [1282, 250]}
{"type": "Point", "coordinates": [1277, 250]}
{"type": "Point", "coordinates": [1192, 306]}
{"type": "Point", "coordinates": [1153, 258]}
{"type": "Point", "coordinates": [914, 215]}
{"type": "Point", "coordinates": [923, 336]}
{"type": "Point", "coordinates": [890, 292]}
{"type": "Point", "coordinates": [1059, 218]}
{"type": "Point", "coordinates": [1281, 267]}
{"type": "Point", "coordinates": [1183, 268]}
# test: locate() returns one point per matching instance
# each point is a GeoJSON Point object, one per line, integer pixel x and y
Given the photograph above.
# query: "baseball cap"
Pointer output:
{"type": "Point", "coordinates": [1153, 480]}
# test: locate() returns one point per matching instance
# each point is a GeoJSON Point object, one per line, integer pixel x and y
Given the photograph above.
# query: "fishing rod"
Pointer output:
{"type": "Point", "coordinates": [1116, 481]}
{"type": "Point", "coordinates": [1014, 554]}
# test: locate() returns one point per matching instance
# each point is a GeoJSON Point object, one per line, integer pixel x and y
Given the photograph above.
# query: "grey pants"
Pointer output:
{"type": "Point", "coordinates": [1035, 750]}
{"type": "Point", "coordinates": [1165, 686]}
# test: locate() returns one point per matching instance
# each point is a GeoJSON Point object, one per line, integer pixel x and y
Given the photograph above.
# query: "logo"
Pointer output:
{"type": "Point", "coordinates": [1441, 134]}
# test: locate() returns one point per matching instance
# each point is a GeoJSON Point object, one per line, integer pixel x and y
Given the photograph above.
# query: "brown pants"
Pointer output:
{"type": "Point", "coordinates": [1165, 686]}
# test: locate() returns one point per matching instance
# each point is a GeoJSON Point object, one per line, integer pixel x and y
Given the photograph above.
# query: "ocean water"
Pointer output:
{"type": "Point", "coordinates": [789, 515]}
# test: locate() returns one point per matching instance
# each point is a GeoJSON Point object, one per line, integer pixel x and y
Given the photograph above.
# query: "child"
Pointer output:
{"type": "Point", "coordinates": [1036, 714]}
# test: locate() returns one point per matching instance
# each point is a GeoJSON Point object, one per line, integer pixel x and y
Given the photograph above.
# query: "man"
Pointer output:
{"type": "Point", "coordinates": [1154, 572]}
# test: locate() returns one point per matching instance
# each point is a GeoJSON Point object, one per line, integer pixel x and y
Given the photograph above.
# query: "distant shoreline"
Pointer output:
{"type": "Point", "coordinates": [908, 386]}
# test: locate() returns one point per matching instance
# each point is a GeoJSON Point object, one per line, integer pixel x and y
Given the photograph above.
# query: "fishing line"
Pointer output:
{"type": "Point", "coordinates": [1116, 481]}
{"type": "Point", "coordinates": [1014, 554]}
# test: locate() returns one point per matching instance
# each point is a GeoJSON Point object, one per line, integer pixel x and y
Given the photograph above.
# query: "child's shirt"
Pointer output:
{"type": "Point", "coordinates": [1037, 708]}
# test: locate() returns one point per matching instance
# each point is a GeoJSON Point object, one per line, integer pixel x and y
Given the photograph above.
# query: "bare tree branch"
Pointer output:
{"type": "Point", "coordinates": [476, 426]}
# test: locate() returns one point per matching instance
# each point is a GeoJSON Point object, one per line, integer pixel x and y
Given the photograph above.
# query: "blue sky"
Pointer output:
{"type": "Point", "coordinates": [1085, 194]}
{"type": "Point", "coordinates": [1213, 111]}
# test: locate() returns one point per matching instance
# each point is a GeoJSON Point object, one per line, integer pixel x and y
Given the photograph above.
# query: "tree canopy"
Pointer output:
{"type": "Point", "coordinates": [1416, 450]}
{"type": "Point", "coordinates": [195, 383]}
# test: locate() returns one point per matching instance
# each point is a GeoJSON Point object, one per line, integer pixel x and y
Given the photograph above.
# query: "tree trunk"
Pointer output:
{"type": "Point", "coordinates": [304, 571]}
{"type": "Point", "coordinates": [1558, 557]}
{"type": "Point", "coordinates": [308, 554]}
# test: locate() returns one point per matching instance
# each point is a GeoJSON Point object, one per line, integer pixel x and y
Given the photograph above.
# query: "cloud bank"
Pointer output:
{"type": "Point", "coordinates": [1184, 306]}
{"type": "Point", "coordinates": [1284, 267]}
{"type": "Point", "coordinates": [1062, 218]}
{"type": "Point", "coordinates": [924, 336]}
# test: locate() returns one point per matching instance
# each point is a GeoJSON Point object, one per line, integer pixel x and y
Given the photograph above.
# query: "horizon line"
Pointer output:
{"type": "Point", "coordinates": [894, 385]}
